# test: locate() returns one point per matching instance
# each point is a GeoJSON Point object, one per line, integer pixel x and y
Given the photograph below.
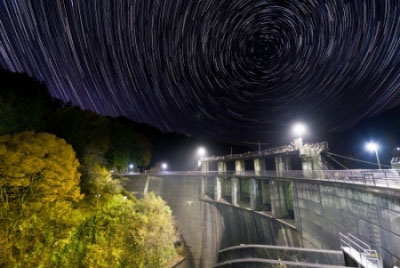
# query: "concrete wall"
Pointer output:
{"type": "Point", "coordinates": [241, 226]}
{"type": "Point", "coordinates": [196, 220]}
{"type": "Point", "coordinates": [208, 226]}
{"type": "Point", "coordinates": [323, 209]}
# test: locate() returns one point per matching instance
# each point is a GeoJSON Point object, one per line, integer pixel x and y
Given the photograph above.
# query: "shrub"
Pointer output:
{"type": "Point", "coordinates": [123, 233]}
{"type": "Point", "coordinates": [38, 188]}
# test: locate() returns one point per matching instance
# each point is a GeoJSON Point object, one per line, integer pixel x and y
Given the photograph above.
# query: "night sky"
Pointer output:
{"type": "Point", "coordinates": [230, 70]}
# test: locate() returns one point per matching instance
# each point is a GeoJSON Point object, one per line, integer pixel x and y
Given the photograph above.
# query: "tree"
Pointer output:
{"type": "Point", "coordinates": [98, 131]}
{"type": "Point", "coordinates": [24, 103]}
{"type": "Point", "coordinates": [45, 222]}
{"type": "Point", "coordinates": [123, 233]}
{"type": "Point", "coordinates": [8, 117]}
{"type": "Point", "coordinates": [68, 123]}
{"type": "Point", "coordinates": [128, 146]}
{"type": "Point", "coordinates": [39, 185]}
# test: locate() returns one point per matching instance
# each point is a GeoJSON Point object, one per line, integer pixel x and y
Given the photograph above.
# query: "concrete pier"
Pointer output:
{"type": "Point", "coordinates": [311, 160]}
{"type": "Point", "coordinates": [221, 166]}
{"type": "Point", "coordinates": [239, 166]}
{"type": "Point", "coordinates": [282, 163]}
{"type": "Point", "coordinates": [204, 166]}
{"type": "Point", "coordinates": [259, 165]}
{"type": "Point", "coordinates": [235, 191]}
{"type": "Point", "coordinates": [217, 189]}
{"type": "Point", "coordinates": [255, 197]}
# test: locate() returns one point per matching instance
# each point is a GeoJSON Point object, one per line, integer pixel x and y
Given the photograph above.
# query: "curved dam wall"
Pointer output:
{"type": "Point", "coordinates": [209, 226]}
{"type": "Point", "coordinates": [323, 209]}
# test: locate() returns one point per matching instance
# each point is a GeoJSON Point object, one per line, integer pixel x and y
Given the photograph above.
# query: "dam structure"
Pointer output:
{"type": "Point", "coordinates": [281, 206]}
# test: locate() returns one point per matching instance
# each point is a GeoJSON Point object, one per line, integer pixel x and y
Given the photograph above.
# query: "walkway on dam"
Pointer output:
{"type": "Point", "coordinates": [388, 178]}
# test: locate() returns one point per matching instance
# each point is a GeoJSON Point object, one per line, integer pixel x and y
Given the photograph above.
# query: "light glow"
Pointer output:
{"type": "Point", "coordinates": [372, 146]}
{"type": "Point", "coordinates": [299, 129]}
{"type": "Point", "coordinates": [201, 151]}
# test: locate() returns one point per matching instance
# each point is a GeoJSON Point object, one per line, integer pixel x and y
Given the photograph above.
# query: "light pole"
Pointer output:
{"type": "Point", "coordinates": [201, 151]}
{"type": "Point", "coordinates": [164, 166]}
{"type": "Point", "coordinates": [299, 129]}
{"type": "Point", "coordinates": [373, 147]}
{"type": "Point", "coordinates": [130, 168]}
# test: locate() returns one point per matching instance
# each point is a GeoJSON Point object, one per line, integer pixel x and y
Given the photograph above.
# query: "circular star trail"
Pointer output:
{"type": "Point", "coordinates": [232, 70]}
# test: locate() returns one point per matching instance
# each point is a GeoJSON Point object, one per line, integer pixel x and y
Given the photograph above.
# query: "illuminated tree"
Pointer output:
{"type": "Point", "coordinates": [39, 184]}
{"type": "Point", "coordinates": [123, 233]}
{"type": "Point", "coordinates": [45, 222]}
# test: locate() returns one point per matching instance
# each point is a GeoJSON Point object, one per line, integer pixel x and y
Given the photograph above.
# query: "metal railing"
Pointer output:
{"type": "Point", "coordinates": [388, 178]}
{"type": "Point", "coordinates": [366, 256]}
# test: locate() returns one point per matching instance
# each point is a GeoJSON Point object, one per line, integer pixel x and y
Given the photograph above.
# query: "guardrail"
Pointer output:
{"type": "Point", "coordinates": [360, 251]}
{"type": "Point", "coordinates": [388, 178]}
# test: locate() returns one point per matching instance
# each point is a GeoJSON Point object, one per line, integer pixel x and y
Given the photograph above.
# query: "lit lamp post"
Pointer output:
{"type": "Point", "coordinates": [373, 147]}
{"type": "Point", "coordinates": [130, 168]}
{"type": "Point", "coordinates": [164, 166]}
{"type": "Point", "coordinates": [201, 152]}
{"type": "Point", "coordinates": [299, 129]}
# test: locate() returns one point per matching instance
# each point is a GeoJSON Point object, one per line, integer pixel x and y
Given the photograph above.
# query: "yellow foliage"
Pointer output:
{"type": "Point", "coordinates": [39, 183]}
{"type": "Point", "coordinates": [45, 222]}
{"type": "Point", "coordinates": [123, 233]}
{"type": "Point", "coordinates": [41, 162]}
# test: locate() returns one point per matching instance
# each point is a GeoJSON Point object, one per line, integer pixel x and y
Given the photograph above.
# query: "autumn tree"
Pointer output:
{"type": "Point", "coordinates": [39, 185]}
{"type": "Point", "coordinates": [123, 233]}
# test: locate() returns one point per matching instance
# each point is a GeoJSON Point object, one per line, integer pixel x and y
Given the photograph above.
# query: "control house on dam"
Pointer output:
{"type": "Point", "coordinates": [282, 206]}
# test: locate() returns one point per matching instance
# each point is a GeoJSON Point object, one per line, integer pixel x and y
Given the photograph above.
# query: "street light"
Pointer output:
{"type": "Point", "coordinates": [299, 129]}
{"type": "Point", "coordinates": [373, 147]}
{"type": "Point", "coordinates": [201, 151]}
{"type": "Point", "coordinates": [130, 168]}
{"type": "Point", "coordinates": [164, 166]}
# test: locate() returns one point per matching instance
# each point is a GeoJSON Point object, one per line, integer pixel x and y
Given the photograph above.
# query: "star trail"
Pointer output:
{"type": "Point", "coordinates": [231, 70]}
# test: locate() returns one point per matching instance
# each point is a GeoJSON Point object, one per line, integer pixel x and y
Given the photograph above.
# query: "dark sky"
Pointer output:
{"type": "Point", "coordinates": [231, 70]}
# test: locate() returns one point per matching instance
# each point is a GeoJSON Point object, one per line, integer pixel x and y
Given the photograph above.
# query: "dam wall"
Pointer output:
{"type": "Point", "coordinates": [209, 226]}
{"type": "Point", "coordinates": [212, 213]}
{"type": "Point", "coordinates": [323, 209]}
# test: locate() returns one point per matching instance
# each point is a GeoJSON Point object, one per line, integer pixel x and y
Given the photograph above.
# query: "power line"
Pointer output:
{"type": "Point", "coordinates": [355, 159]}
{"type": "Point", "coordinates": [337, 162]}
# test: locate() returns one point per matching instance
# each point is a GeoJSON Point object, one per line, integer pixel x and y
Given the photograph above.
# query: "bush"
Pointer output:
{"type": "Point", "coordinates": [38, 187]}
{"type": "Point", "coordinates": [123, 233]}
{"type": "Point", "coordinates": [46, 222]}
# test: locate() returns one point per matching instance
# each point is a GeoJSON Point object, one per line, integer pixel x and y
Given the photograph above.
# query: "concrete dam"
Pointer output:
{"type": "Point", "coordinates": [264, 218]}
